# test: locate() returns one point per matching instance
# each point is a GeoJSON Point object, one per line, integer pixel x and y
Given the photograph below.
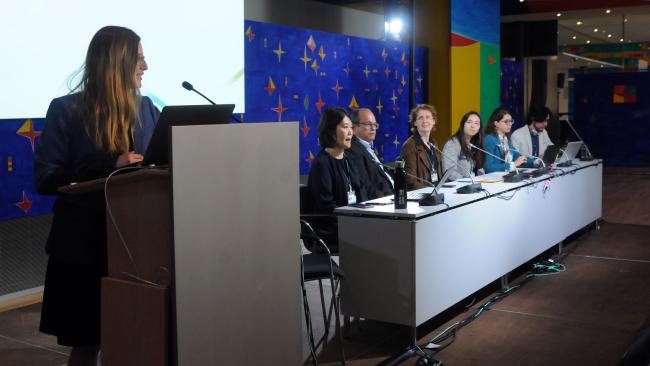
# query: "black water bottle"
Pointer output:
{"type": "Point", "coordinates": [400, 184]}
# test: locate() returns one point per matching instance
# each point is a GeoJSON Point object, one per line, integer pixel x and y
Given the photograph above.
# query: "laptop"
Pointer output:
{"type": "Point", "coordinates": [571, 151]}
{"type": "Point", "coordinates": [418, 196]}
{"type": "Point", "coordinates": [181, 115]}
{"type": "Point", "coordinates": [550, 154]}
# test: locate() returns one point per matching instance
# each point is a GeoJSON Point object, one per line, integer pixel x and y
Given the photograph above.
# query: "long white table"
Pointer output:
{"type": "Point", "coordinates": [406, 266]}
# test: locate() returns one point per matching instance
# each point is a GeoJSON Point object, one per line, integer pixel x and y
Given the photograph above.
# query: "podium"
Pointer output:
{"type": "Point", "coordinates": [203, 257]}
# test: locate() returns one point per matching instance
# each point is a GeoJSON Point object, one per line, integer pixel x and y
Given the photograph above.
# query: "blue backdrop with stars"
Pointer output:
{"type": "Point", "coordinates": [292, 74]}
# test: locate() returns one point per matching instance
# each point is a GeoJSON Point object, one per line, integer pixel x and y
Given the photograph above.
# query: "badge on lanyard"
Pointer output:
{"type": "Point", "coordinates": [352, 197]}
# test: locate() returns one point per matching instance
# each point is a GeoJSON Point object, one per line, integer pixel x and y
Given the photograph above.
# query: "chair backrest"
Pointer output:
{"type": "Point", "coordinates": [306, 200]}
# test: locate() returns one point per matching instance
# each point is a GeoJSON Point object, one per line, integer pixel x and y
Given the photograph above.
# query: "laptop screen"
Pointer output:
{"type": "Point", "coordinates": [182, 115]}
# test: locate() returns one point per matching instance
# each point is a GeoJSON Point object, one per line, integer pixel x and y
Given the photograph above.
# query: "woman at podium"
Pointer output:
{"type": "Point", "coordinates": [333, 180]}
{"type": "Point", "coordinates": [103, 125]}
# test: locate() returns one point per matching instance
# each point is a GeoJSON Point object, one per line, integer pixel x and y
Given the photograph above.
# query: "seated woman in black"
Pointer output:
{"type": "Point", "coordinates": [333, 180]}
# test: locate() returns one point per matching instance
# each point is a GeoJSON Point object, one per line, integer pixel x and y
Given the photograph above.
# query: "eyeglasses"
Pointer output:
{"type": "Point", "coordinates": [369, 125]}
{"type": "Point", "coordinates": [508, 122]}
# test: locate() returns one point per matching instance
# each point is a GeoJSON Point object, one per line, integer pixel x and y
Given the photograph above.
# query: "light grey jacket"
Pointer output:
{"type": "Point", "coordinates": [452, 158]}
{"type": "Point", "coordinates": [524, 143]}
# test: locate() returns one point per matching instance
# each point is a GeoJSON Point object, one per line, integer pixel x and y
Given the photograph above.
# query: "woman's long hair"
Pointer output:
{"type": "Point", "coordinates": [108, 88]}
{"type": "Point", "coordinates": [476, 140]}
{"type": "Point", "coordinates": [496, 116]}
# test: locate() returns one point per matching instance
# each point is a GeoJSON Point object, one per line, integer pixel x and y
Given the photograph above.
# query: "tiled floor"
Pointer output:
{"type": "Point", "coordinates": [586, 315]}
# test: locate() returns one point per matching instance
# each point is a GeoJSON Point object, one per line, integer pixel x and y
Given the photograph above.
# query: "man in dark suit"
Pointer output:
{"type": "Point", "coordinates": [378, 181]}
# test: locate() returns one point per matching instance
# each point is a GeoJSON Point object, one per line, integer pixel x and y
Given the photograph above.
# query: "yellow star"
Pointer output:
{"type": "Point", "coordinates": [379, 106]}
{"type": "Point", "coordinates": [396, 141]}
{"type": "Point", "coordinates": [322, 53]}
{"type": "Point", "coordinates": [304, 58]}
{"type": "Point", "coordinates": [394, 98]}
{"type": "Point", "coordinates": [279, 51]}
{"type": "Point", "coordinates": [366, 71]}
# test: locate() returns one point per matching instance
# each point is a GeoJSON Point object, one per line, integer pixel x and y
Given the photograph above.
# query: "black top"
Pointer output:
{"type": "Point", "coordinates": [371, 173]}
{"type": "Point", "coordinates": [329, 182]}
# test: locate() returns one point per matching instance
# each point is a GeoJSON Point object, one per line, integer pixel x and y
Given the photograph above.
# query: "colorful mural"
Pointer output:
{"type": "Point", "coordinates": [475, 58]}
{"type": "Point", "coordinates": [292, 74]}
{"type": "Point", "coordinates": [512, 89]}
{"type": "Point", "coordinates": [18, 195]}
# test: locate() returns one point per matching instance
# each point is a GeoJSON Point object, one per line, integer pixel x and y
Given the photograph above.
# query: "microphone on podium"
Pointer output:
{"type": "Point", "coordinates": [190, 87]}
{"type": "Point", "coordinates": [537, 172]}
{"type": "Point", "coordinates": [468, 189]}
{"type": "Point", "coordinates": [588, 156]}
{"type": "Point", "coordinates": [508, 178]}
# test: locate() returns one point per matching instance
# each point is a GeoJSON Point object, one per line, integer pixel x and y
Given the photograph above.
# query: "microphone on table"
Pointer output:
{"type": "Point", "coordinates": [588, 156]}
{"type": "Point", "coordinates": [433, 198]}
{"type": "Point", "coordinates": [467, 189]}
{"type": "Point", "coordinates": [190, 87]}
{"type": "Point", "coordinates": [508, 178]}
{"type": "Point", "coordinates": [540, 171]}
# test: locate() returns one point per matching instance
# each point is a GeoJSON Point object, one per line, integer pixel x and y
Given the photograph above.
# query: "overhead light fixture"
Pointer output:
{"type": "Point", "coordinates": [595, 30]}
{"type": "Point", "coordinates": [588, 41]}
{"type": "Point", "coordinates": [558, 14]}
{"type": "Point", "coordinates": [621, 40]}
{"type": "Point", "coordinates": [602, 65]}
{"type": "Point", "coordinates": [608, 11]}
{"type": "Point", "coordinates": [521, 1]}
{"type": "Point", "coordinates": [394, 20]}
{"type": "Point", "coordinates": [625, 20]}
{"type": "Point", "coordinates": [574, 37]}
{"type": "Point", "coordinates": [579, 22]}
{"type": "Point", "coordinates": [590, 60]}
{"type": "Point", "coordinates": [609, 36]}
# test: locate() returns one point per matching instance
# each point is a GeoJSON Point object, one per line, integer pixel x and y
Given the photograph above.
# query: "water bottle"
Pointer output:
{"type": "Point", "coordinates": [400, 184]}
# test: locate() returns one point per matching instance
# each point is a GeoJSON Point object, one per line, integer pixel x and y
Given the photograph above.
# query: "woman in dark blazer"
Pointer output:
{"type": "Point", "coordinates": [333, 180]}
{"type": "Point", "coordinates": [421, 159]}
{"type": "Point", "coordinates": [87, 135]}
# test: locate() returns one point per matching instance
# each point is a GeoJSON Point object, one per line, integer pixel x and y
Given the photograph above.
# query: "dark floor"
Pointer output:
{"type": "Point", "coordinates": [587, 315]}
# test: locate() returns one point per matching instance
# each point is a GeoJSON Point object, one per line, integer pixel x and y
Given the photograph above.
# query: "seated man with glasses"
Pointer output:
{"type": "Point", "coordinates": [364, 157]}
{"type": "Point", "coordinates": [533, 139]}
{"type": "Point", "coordinates": [497, 143]}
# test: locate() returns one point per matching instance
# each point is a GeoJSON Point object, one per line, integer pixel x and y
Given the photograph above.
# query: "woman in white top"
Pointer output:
{"type": "Point", "coordinates": [457, 153]}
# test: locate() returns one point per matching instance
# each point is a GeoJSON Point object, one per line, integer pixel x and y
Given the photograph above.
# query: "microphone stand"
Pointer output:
{"type": "Point", "coordinates": [568, 163]}
{"type": "Point", "coordinates": [589, 156]}
{"type": "Point", "coordinates": [190, 87]}
{"type": "Point", "coordinates": [509, 177]}
{"type": "Point", "coordinates": [537, 172]}
{"type": "Point", "coordinates": [467, 189]}
{"type": "Point", "coordinates": [432, 199]}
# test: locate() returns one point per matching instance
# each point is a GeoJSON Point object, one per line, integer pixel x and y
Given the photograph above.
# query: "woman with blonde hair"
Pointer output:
{"type": "Point", "coordinates": [419, 153]}
{"type": "Point", "coordinates": [103, 125]}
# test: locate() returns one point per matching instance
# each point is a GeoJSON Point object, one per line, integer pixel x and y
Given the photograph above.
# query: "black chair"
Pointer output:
{"type": "Point", "coordinates": [318, 266]}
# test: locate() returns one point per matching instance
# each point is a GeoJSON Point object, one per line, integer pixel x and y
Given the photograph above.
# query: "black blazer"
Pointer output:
{"type": "Point", "coordinates": [375, 178]}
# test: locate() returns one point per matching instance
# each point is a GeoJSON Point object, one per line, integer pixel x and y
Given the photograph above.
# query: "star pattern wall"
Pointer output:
{"type": "Point", "coordinates": [321, 70]}
{"type": "Point", "coordinates": [18, 196]}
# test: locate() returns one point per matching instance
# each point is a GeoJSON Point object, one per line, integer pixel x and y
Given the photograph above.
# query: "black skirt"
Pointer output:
{"type": "Point", "coordinates": [71, 302]}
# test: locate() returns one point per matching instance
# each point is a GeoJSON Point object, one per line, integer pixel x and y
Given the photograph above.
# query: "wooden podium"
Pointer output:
{"type": "Point", "coordinates": [203, 258]}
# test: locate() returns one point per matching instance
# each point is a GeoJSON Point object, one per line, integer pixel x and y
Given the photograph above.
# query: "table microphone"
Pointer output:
{"type": "Point", "coordinates": [540, 171]}
{"type": "Point", "coordinates": [467, 189]}
{"type": "Point", "coordinates": [190, 87]}
{"type": "Point", "coordinates": [432, 199]}
{"type": "Point", "coordinates": [508, 178]}
{"type": "Point", "coordinates": [589, 156]}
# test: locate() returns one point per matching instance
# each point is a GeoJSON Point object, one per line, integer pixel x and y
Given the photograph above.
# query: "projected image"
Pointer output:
{"type": "Point", "coordinates": [195, 40]}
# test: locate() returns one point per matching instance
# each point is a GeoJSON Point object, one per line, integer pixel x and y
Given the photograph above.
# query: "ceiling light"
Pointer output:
{"type": "Point", "coordinates": [625, 20]}
{"type": "Point", "coordinates": [559, 14]}
{"type": "Point", "coordinates": [588, 41]}
{"type": "Point", "coordinates": [578, 23]}
{"type": "Point", "coordinates": [602, 66]}
{"type": "Point", "coordinates": [521, 1]}
{"type": "Point", "coordinates": [609, 36]}
{"type": "Point", "coordinates": [595, 29]}
{"type": "Point", "coordinates": [620, 40]}
{"type": "Point", "coordinates": [608, 11]}
{"type": "Point", "coordinates": [574, 37]}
